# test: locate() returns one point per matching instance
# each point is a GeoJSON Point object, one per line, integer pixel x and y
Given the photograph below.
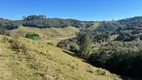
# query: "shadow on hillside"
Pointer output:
{"type": "Point", "coordinates": [70, 53]}
{"type": "Point", "coordinates": [74, 55]}
{"type": "Point", "coordinates": [129, 78]}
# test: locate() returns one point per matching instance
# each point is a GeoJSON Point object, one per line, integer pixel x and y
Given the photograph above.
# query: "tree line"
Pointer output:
{"type": "Point", "coordinates": [40, 21]}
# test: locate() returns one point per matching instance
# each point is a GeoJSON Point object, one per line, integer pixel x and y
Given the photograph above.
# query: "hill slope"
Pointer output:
{"type": "Point", "coordinates": [45, 33]}
{"type": "Point", "coordinates": [24, 59]}
{"type": "Point", "coordinates": [95, 25]}
{"type": "Point", "coordinates": [48, 35]}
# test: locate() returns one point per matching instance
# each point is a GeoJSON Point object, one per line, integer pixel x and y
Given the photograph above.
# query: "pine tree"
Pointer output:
{"type": "Point", "coordinates": [85, 46]}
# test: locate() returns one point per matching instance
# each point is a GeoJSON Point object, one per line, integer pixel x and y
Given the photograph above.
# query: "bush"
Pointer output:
{"type": "Point", "coordinates": [101, 72]}
{"type": "Point", "coordinates": [63, 44]}
{"type": "Point", "coordinates": [69, 44]}
{"type": "Point", "coordinates": [75, 48]}
{"type": "Point", "coordinates": [33, 36]}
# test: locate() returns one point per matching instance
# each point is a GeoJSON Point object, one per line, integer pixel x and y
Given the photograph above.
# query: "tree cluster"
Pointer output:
{"type": "Point", "coordinates": [128, 29]}
{"type": "Point", "coordinates": [81, 45]}
{"type": "Point", "coordinates": [42, 22]}
{"type": "Point", "coordinates": [9, 24]}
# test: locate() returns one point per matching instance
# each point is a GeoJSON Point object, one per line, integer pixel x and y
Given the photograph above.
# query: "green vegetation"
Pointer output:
{"type": "Point", "coordinates": [121, 58]}
{"type": "Point", "coordinates": [9, 24]}
{"type": "Point", "coordinates": [109, 27]}
{"type": "Point", "coordinates": [42, 22]}
{"type": "Point", "coordinates": [2, 30]}
{"type": "Point", "coordinates": [127, 29]}
{"type": "Point", "coordinates": [33, 36]}
{"type": "Point", "coordinates": [85, 46]}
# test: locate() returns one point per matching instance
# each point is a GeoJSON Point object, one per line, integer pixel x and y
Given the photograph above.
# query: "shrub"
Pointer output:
{"type": "Point", "coordinates": [50, 44]}
{"type": "Point", "coordinates": [33, 36]}
{"type": "Point", "coordinates": [101, 72]}
{"type": "Point", "coordinates": [62, 44]}
{"type": "Point", "coordinates": [69, 44]}
{"type": "Point", "coordinates": [75, 48]}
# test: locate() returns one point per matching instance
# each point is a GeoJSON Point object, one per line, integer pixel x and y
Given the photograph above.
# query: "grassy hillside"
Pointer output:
{"type": "Point", "coordinates": [48, 35]}
{"type": "Point", "coordinates": [45, 33]}
{"type": "Point", "coordinates": [96, 24]}
{"type": "Point", "coordinates": [25, 59]}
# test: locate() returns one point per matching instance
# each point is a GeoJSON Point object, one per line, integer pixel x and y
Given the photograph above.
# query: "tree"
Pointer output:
{"type": "Point", "coordinates": [2, 30]}
{"type": "Point", "coordinates": [85, 46]}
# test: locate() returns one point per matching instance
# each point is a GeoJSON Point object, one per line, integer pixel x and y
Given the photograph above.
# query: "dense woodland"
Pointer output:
{"type": "Point", "coordinates": [128, 29]}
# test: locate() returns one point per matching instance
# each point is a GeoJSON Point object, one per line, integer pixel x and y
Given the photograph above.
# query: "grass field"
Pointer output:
{"type": "Point", "coordinates": [25, 59]}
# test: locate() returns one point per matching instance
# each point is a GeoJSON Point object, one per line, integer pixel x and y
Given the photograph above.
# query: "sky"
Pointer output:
{"type": "Point", "coordinates": [96, 10]}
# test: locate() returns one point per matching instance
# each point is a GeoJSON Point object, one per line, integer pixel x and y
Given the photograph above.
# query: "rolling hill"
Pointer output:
{"type": "Point", "coordinates": [40, 61]}
{"type": "Point", "coordinates": [48, 35]}
{"type": "Point", "coordinates": [45, 33]}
